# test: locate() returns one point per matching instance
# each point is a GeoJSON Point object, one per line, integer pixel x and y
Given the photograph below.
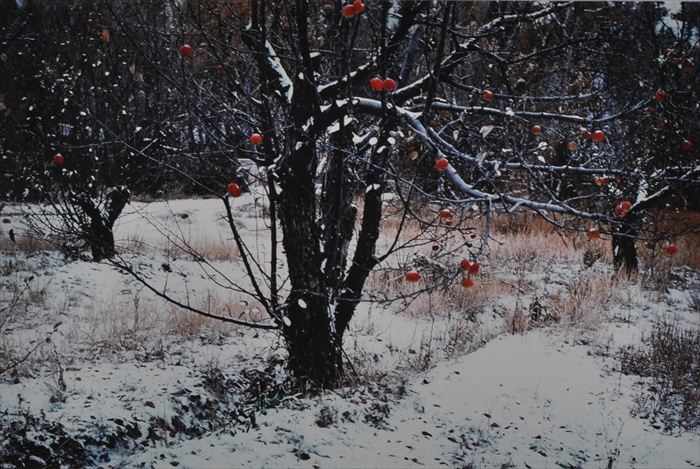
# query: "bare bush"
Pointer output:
{"type": "Point", "coordinates": [670, 359]}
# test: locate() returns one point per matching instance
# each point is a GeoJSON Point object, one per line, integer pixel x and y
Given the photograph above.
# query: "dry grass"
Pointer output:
{"type": "Point", "coordinates": [670, 358]}
{"type": "Point", "coordinates": [217, 249]}
{"type": "Point", "coordinates": [121, 324]}
{"type": "Point", "coordinates": [134, 244]}
{"type": "Point", "coordinates": [211, 250]}
{"type": "Point", "coordinates": [681, 227]}
{"type": "Point", "coordinates": [188, 324]}
{"type": "Point", "coordinates": [585, 299]}
{"type": "Point", "coordinates": [464, 302]}
{"type": "Point", "coordinates": [25, 243]}
{"type": "Point", "coordinates": [531, 248]}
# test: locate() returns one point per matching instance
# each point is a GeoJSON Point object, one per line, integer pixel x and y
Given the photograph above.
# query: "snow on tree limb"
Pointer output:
{"type": "Point", "coordinates": [538, 115]}
{"type": "Point", "coordinates": [285, 85]}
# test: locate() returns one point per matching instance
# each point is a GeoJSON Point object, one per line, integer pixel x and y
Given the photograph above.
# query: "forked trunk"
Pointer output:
{"type": "Point", "coordinates": [99, 233]}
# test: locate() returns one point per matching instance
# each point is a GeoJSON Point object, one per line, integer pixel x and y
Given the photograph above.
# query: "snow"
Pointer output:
{"type": "Point", "coordinates": [335, 127]}
{"type": "Point", "coordinates": [547, 398]}
{"type": "Point", "coordinates": [285, 82]}
{"type": "Point", "coordinates": [393, 17]}
{"type": "Point", "coordinates": [523, 400]}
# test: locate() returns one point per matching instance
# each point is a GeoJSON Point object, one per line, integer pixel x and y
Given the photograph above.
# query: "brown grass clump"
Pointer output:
{"type": "Point", "coordinates": [134, 244]}
{"type": "Point", "coordinates": [25, 243]}
{"type": "Point", "coordinates": [188, 324]}
{"type": "Point", "coordinates": [529, 248]}
{"type": "Point", "coordinates": [517, 321]}
{"type": "Point", "coordinates": [439, 302]}
{"type": "Point", "coordinates": [207, 249]}
{"type": "Point", "coordinates": [523, 223]}
{"type": "Point", "coordinates": [217, 250]}
{"type": "Point", "coordinates": [670, 358]}
{"type": "Point", "coordinates": [585, 299]}
{"type": "Point", "coordinates": [679, 226]}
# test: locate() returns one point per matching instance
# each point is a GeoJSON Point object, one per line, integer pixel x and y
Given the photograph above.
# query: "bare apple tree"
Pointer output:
{"type": "Point", "coordinates": [442, 114]}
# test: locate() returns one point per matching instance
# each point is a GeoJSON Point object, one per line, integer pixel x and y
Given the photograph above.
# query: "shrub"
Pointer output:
{"type": "Point", "coordinates": [670, 358]}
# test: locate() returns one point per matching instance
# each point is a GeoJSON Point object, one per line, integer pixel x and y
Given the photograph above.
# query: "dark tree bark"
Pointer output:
{"type": "Point", "coordinates": [624, 249]}
{"type": "Point", "coordinates": [98, 233]}
{"type": "Point", "coordinates": [315, 354]}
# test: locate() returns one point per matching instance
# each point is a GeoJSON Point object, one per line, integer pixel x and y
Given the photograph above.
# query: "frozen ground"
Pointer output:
{"type": "Point", "coordinates": [128, 381]}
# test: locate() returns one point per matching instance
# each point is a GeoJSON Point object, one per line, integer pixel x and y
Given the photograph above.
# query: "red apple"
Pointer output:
{"type": "Point", "coordinates": [58, 160]}
{"type": "Point", "coordinates": [186, 50]}
{"type": "Point", "coordinates": [359, 7]}
{"type": "Point", "coordinates": [472, 267]}
{"type": "Point", "coordinates": [256, 139]}
{"type": "Point", "coordinates": [536, 130]}
{"type": "Point", "coordinates": [601, 181]}
{"type": "Point", "coordinates": [349, 11]}
{"type": "Point", "coordinates": [441, 164]}
{"type": "Point", "coordinates": [487, 95]}
{"type": "Point", "coordinates": [234, 189]}
{"type": "Point", "coordinates": [412, 276]}
{"type": "Point", "coordinates": [593, 233]}
{"type": "Point", "coordinates": [660, 95]}
{"type": "Point", "coordinates": [571, 146]}
{"type": "Point", "coordinates": [671, 249]}
{"type": "Point", "coordinates": [389, 85]}
{"type": "Point", "coordinates": [598, 136]}
{"type": "Point", "coordinates": [467, 282]}
{"type": "Point", "coordinates": [377, 84]}
{"type": "Point", "coordinates": [446, 214]}
{"type": "Point", "coordinates": [104, 35]}
{"type": "Point", "coordinates": [622, 208]}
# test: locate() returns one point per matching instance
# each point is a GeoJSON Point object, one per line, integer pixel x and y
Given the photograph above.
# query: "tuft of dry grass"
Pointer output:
{"type": "Point", "coordinates": [527, 249]}
{"type": "Point", "coordinates": [129, 323]}
{"type": "Point", "coordinates": [211, 250]}
{"type": "Point", "coordinates": [25, 243]}
{"type": "Point", "coordinates": [517, 321]}
{"type": "Point", "coordinates": [584, 299]}
{"type": "Point", "coordinates": [670, 358]}
{"type": "Point", "coordinates": [679, 226]}
{"type": "Point", "coordinates": [217, 250]}
{"type": "Point", "coordinates": [456, 299]}
{"type": "Point", "coordinates": [134, 244]}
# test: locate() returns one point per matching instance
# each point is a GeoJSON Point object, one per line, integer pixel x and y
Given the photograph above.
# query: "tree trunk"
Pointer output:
{"type": "Point", "coordinates": [315, 354]}
{"type": "Point", "coordinates": [98, 234]}
{"type": "Point", "coordinates": [101, 240]}
{"type": "Point", "coordinates": [315, 351]}
{"type": "Point", "coordinates": [624, 249]}
{"type": "Point", "coordinates": [313, 345]}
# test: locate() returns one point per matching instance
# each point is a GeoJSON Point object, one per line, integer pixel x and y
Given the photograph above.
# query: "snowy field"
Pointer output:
{"type": "Point", "coordinates": [524, 373]}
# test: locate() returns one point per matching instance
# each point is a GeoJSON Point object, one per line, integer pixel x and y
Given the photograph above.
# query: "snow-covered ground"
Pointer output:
{"type": "Point", "coordinates": [138, 383]}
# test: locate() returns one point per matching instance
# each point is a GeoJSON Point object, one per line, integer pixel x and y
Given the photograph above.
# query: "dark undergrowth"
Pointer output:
{"type": "Point", "coordinates": [669, 359]}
